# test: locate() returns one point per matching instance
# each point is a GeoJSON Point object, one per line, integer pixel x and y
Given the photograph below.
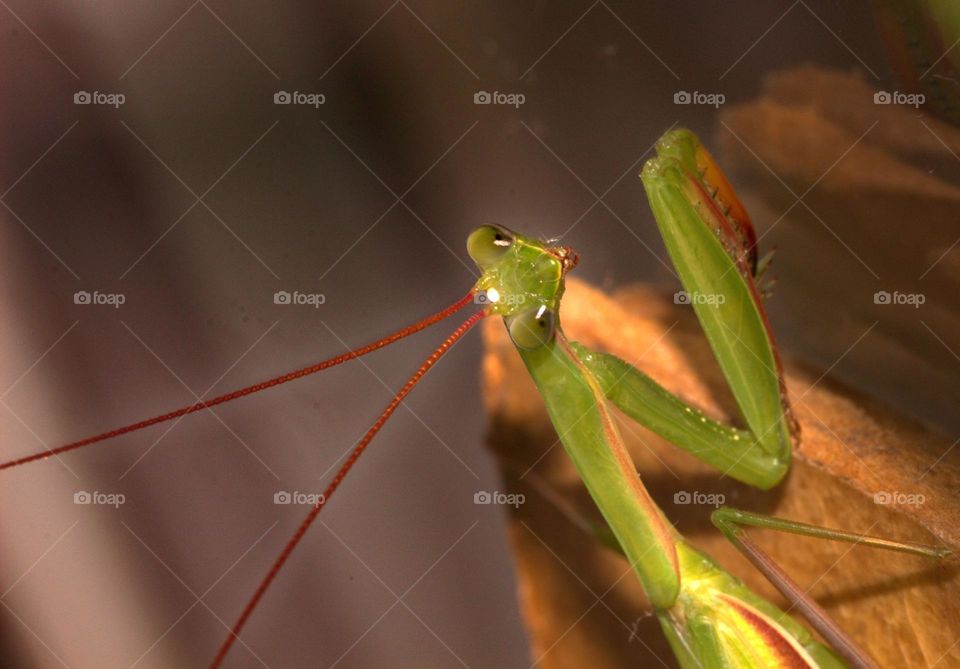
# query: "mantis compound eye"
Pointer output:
{"type": "Point", "coordinates": [532, 328]}
{"type": "Point", "coordinates": [488, 243]}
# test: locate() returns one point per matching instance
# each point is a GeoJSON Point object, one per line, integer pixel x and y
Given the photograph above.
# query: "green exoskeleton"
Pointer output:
{"type": "Point", "coordinates": [710, 618]}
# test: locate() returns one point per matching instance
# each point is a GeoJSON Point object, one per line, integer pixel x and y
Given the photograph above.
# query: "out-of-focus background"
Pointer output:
{"type": "Point", "coordinates": [155, 198]}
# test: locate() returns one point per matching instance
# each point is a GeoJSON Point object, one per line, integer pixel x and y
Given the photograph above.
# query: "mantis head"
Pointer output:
{"type": "Point", "coordinates": [522, 281]}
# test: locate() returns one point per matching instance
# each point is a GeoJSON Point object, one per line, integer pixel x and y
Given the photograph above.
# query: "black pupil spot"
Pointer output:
{"type": "Point", "coordinates": [498, 237]}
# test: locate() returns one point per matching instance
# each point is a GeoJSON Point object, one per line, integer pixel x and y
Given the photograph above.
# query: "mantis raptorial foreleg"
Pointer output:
{"type": "Point", "coordinates": [711, 241]}
{"type": "Point", "coordinates": [727, 448]}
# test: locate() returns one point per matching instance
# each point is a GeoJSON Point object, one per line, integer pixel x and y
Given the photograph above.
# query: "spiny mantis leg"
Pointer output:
{"type": "Point", "coordinates": [730, 450]}
{"type": "Point", "coordinates": [712, 244]}
{"type": "Point", "coordinates": [732, 522]}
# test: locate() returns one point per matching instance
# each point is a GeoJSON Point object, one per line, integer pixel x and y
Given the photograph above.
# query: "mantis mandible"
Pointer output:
{"type": "Point", "coordinates": [709, 617]}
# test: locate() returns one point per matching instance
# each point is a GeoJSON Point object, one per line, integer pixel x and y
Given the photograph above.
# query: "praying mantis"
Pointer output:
{"type": "Point", "coordinates": [709, 617]}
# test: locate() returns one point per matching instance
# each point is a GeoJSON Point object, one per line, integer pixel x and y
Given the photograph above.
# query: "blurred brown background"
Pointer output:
{"type": "Point", "coordinates": [297, 198]}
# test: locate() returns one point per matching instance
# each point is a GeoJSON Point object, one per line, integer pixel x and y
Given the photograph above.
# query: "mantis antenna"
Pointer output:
{"type": "Point", "coordinates": [338, 479]}
{"type": "Point", "coordinates": [248, 390]}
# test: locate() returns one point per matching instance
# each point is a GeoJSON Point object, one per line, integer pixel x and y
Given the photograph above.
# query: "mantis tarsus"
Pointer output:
{"type": "Point", "coordinates": [709, 617]}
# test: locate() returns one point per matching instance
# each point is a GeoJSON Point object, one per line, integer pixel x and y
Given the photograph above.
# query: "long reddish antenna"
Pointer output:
{"type": "Point", "coordinates": [337, 480]}
{"type": "Point", "coordinates": [257, 387]}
